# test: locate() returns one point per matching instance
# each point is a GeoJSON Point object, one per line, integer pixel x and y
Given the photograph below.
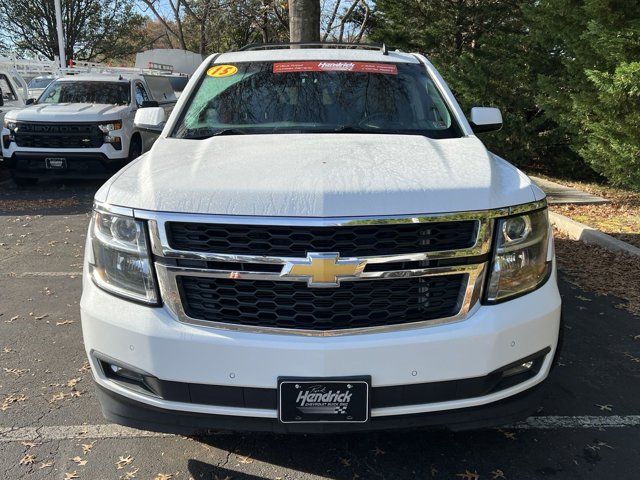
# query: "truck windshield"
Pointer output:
{"type": "Point", "coordinates": [108, 93]}
{"type": "Point", "coordinates": [316, 96]}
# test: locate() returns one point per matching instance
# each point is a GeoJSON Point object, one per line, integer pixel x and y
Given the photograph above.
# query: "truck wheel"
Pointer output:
{"type": "Point", "coordinates": [24, 182]}
{"type": "Point", "coordinates": [135, 148]}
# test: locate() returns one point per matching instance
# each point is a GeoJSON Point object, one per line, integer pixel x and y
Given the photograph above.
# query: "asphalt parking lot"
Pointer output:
{"type": "Point", "coordinates": [588, 425]}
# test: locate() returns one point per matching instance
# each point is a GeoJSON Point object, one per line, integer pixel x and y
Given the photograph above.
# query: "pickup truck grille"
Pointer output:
{"type": "Point", "coordinates": [60, 135]}
{"type": "Point", "coordinates": [291, 305]}
{"type": "Point", "coordinates": [297, 241]}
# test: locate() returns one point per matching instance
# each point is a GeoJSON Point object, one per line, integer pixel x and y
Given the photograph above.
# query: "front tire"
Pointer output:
{"type": "Point", "coordinates": [135, 148]}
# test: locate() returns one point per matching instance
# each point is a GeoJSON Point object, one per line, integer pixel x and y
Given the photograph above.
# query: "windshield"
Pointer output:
{"type": "Point", "coordinates": [40, 82]}
{"type": "Point", "coordinates": [108, 93]}
{"type": "Point", "coordinates": [279, 97]}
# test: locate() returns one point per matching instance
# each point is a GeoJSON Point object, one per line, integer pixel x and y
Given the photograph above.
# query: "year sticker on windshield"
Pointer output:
{"type": "Point", "coordinates": [219, 71]}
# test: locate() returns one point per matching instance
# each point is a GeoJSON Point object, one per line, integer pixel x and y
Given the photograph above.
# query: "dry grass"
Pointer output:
{"type": "Point", "coordinates": [620, 218]}
{"type": "Point", "coordinates": [601, 271]}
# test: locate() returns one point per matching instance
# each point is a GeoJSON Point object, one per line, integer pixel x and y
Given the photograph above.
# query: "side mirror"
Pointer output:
{"type": "Point", "coordinates": [150, 119]}
{"type": "Point", "coordinates": [30, 101]}
{"type": "Point", "coordinates": [1, 99]}
{"type": "Point", "coordinates": [485, 119]}
{"type": "Point", "coordinates": [149, 104]}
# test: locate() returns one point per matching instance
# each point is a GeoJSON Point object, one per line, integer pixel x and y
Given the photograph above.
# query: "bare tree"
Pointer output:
{"type": "Point", "coordinates": [347, 23]}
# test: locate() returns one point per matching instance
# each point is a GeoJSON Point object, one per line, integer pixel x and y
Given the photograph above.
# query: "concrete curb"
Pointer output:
{"type": "Point", "coordinates": [589, 235]}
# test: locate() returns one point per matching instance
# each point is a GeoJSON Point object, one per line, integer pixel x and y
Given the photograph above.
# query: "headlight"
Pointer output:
{"type": "Point", "coordinates": [10, 124]}
{"type": "Point", "coordinates": [120, 262]}
{"type": "Point", "coordinates": [110, 127]}
{"type": "Point", "coordinates": [520, 262]}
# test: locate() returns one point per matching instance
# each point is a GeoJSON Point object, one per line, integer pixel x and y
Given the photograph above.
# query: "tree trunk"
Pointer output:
{"type": "Point", "coordinates": [304, 20]}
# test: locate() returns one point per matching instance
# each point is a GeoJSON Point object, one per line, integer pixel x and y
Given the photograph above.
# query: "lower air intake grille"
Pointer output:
{"type": "Point", "coordinates": [293, 305]}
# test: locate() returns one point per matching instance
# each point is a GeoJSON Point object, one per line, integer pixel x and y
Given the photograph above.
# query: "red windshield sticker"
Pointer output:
{"type": "Point", "coordinates": [362, 67]}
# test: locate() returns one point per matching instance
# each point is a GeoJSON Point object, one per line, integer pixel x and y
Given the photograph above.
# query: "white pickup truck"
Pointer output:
{"type": "Point", "coordinates": [82, 126]}
{"type": "Point", "coordinates": [13, 95]}
{"type": "Point", "coordinates": [319, 242]}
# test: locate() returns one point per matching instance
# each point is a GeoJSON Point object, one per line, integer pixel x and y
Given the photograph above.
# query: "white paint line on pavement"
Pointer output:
{"type": "Point", "coordinates": [73, 432]}
{"type": "Point", "coordinates": [117, 431]}
{"type": "Point", "coordinates": [583, 421]}
{"type": "Point", "coordinates": [77, 273]}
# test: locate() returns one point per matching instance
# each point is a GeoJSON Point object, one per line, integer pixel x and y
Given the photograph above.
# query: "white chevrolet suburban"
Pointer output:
{"type": "Point", "coordinates": [319, 242]}
{"type": "Point", "coordinates": [82, 126]}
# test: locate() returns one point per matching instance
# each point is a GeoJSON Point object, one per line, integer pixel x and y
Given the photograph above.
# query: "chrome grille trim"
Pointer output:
{"type": "Point", "coordinates": [168, 274]}
{"type": "Point", "coordinates": [167, 279]}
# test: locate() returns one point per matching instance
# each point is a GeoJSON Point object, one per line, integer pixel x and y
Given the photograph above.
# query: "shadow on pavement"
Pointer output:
{"type": "Point", "coordinates": [48, 197]}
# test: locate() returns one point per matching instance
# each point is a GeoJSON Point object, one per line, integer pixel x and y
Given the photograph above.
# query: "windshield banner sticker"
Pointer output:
{"type": "Point", "coordinates": [220, 71]}
{"type": "Point", "coordinates": [360, 67]}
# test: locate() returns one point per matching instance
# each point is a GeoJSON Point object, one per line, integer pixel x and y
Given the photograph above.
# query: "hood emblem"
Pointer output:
{"type": "Point", "coordinates": [324, 269]}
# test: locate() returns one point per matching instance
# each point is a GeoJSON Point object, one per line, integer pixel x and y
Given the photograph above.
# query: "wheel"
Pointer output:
{"type": "Point", "coordinates": [24, 182]}
{"type": "Point", "coordinates": [135, 148]}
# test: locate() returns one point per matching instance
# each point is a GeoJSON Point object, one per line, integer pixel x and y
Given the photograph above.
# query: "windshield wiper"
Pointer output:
{"type": "Point", "coordinates": [215, 133]}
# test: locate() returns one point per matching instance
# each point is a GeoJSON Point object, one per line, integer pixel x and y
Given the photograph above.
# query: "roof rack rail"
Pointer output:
{"type": "Point", "coordinates": [274, 46]}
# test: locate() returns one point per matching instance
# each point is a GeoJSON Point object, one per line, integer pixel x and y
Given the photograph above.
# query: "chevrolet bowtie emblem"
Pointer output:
{"type": "Point", "coordinates": [324, 269]}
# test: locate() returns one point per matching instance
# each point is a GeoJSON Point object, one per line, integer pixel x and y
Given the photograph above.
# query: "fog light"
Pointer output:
{"type": "Point", "coordinates": [523, 367]}
{"type": "Point", "coordinates": [117, 372]}
{"type": "Point", "coordinates": [116, 142]}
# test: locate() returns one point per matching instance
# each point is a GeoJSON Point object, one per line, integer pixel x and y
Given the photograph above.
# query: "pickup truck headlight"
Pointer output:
{"type": "Point", "coordinates": [520, 262]}
{"type": "Point", "coordinates": [9, 124]}
{"type": "Point", "coordinates": [119, 261]}
{"type": "Point", "coordinates": [110, 127]}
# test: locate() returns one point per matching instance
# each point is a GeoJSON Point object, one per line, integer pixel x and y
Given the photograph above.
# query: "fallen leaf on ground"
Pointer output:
{"type": "Point", "coordinates": [13, 398]}
{"type": "Point", "coordinates": [245, 460]}
{"type": "Point", "coordinates": [467, 475]}
{"type": "Point", "coordinates": [129, 475]}
{"type": "Point", "coordinates": [73, 382]}
{"type": "Point", "coordinates": [79, 461]}
{"type": "Point", "coordinates": [30, 444]}
{"type": "Point", "coordinates": [345, 462]}
{"type": "Point", "coordinates": [165, 476]}
{"type": "Point", "coordinates": [16, 371]}
{"type": "Point", "coordinates": [378, 451]}
{"type": "Point", "coordinates": [56, 397]}
{"type": "Point", "coordinates": [496, 474]}
{"type": "Point", "coordinates": [86, 447]}
{"type": "Point", "coordinates": [71, 475]}
{"type": "Point", "coordinates": [46, 465]}
{"type": "Point", "coordinates": [124, 461]}
{"type": "Point", "coordinates": [27, 459]}
{"type": "Point", "coordinates": [64, 322]}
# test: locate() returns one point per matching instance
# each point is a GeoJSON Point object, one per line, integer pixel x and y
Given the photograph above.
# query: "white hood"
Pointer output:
{"type": "Point", "coordinates": [318, 175]}
{"type": "Point", "coordinates": [69, 112]}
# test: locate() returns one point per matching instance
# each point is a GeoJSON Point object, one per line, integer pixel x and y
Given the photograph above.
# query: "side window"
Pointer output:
{"type": "Point", "coordinates": [141, 94]}
{"type": "Point", "coordinates": [8, 95]}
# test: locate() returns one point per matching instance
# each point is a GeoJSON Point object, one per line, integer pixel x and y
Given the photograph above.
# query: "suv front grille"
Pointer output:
{"type": "Point", "coordinates": [62, 135]}
{"type": "Point", "coordinates": [297, 241]}
{"type": "Point", "coordinates": [292, 305]}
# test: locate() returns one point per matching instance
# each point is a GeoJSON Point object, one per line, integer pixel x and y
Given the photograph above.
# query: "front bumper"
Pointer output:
{"type": "Point", "coordinates": [151, 340]}
{"type": "Point", "coordinates": [87, 165]}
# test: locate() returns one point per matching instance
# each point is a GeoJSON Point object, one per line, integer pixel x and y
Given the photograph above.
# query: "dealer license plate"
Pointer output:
{"type": "Point", "coordinates": [56, 163]}
{"type": "Point", "coordinates": [323, 401]}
